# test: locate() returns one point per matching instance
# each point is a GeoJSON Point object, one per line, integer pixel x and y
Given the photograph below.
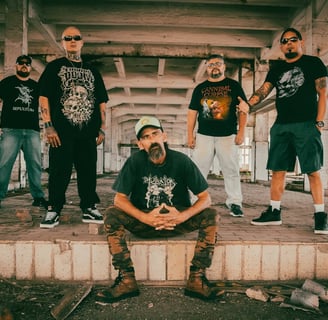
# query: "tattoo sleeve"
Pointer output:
{"type": "Point", "coordinates": [261, 93]}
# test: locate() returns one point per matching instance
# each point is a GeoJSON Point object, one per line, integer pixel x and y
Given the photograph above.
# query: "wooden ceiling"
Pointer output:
{"type": "Point", "coordinates": [151, 53]}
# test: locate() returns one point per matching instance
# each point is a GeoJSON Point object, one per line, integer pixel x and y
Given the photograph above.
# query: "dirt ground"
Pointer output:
{"type": "Point", "coordinates": [35, 300]}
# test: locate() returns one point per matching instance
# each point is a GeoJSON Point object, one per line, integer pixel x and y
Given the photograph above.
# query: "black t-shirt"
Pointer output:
{"type": "Point", "coordinates": [149, 185]}
{"type": "Point", "coordinates": [75, 91]}
{"type": "Point", "coordinates": [20, 108]}
{"type": "Point", "coordinates": [297, 98]}
{"type": "Point", "coordinates": [216, 105]}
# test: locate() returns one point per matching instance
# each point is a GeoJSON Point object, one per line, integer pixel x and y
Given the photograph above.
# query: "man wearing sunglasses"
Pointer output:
{"type": "Point", "coordinates": [20, 130]}
{"type": "Point", "coordinates": [300, 83]}
{"type": "Point", "coordinates": [73, 104]}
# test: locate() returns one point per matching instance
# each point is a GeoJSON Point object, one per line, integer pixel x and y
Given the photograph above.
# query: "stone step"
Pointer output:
{"type": "Point", "coordinates": [162, 261]}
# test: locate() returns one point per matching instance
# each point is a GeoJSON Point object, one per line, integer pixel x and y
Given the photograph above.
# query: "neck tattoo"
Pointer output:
{"type": "Point", "coordinates": [73, 57]}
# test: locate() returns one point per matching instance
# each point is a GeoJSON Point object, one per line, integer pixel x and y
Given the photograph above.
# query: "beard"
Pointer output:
{"type": "Point", "coordinates": [291, 55]}
{"type": "Point", "coordinates": [155, 152]}
{"type": "Point", "coordinates": [23, 74]}
{"type": "Point", "coordinates": [216, 75]}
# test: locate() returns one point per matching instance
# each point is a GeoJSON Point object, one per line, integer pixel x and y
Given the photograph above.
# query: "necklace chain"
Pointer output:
{"type": "Point", "coordinates": [73, 65]}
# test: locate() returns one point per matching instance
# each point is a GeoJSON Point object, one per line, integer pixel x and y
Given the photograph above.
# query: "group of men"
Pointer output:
{"type": "Point", "coordinates": [153, 187]}
{"type": "Point", "coordinates": [72, 97]}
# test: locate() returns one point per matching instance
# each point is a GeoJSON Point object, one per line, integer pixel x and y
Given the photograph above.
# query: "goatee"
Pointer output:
{"type": "Point", "coordinates": [291, 55]}
{"type": "Point", "coordinates": [23, 74]}
{"type": "Point", "coordinates": [155, 152]}
{"type": "Point", "coordinates": [216, 75]}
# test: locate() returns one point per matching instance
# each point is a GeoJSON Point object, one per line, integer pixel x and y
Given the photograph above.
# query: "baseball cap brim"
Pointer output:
{"type": "Point", "coordinates": [147, 121]}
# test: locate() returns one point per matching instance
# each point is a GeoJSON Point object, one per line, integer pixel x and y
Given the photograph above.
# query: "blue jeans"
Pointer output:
{"type": "Point", "coordinates": [226, 151]}
{"type": "Point", "coordinates": [11, 142]}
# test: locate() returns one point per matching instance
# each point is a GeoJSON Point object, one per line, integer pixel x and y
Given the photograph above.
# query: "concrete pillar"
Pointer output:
{"type": "Point", "coordinates": [260, 147]}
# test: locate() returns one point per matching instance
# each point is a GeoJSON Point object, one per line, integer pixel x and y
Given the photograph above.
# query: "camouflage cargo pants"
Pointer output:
{"type": "Point", "coordinates": [116, 222]}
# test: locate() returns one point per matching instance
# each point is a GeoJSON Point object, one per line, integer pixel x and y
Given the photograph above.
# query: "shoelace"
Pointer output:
{"type": "Point", "coordinates": [50, 215]}
{"type": "Point", "coordinates": [117, 281]}
{"type": "Point", "coordinates": [206, 281]}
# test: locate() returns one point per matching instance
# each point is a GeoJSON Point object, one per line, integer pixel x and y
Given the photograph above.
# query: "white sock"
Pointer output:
{"type": "Point", "coordinates": [275, 204]}
{"type": "Point", "coordinates": [319, 208]}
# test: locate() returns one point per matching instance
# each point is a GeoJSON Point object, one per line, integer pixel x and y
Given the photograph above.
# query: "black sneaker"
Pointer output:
{"type": "Point", "coordinates": [51, 219]}
{"type": "Point", "coordinates": [320, 223]}
{"type": "Point", "coordinates": [268, 218]}
{"type": "Point", "coordinates": [40, 202]}
{"type": "Point", "coordinates": [92, 215]}
{"type": "Point", "coordinates": [235, 210]}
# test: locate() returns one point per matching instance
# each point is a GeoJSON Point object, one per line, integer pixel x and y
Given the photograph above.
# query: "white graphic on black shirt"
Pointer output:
{"type": "Point", "coordinates": [159, 190]}
{"type": "Point", "coordinates": [289, 82]}
{"type": "Point", "coordinates": [78, 94]}
{"type": "Point", "coordinates": [25, 95]}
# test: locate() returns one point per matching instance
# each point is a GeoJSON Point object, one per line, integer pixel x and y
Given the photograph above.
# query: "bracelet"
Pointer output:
{"type": "Point", "coordinates": [48, 124]}
{"type": "Point", "coordinates": [102, 132]}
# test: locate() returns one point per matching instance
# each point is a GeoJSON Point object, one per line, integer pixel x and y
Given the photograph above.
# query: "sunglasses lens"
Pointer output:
{"type": "Point", "coordinates": [70, 38]}
{"type": "Point", "coordinates": [21, 63]}
{"type": "Point", "coordinates": [286, 40]}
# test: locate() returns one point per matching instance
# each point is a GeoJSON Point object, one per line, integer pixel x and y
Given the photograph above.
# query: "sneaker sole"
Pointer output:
{"type": "Point", "coordinates": [93, 221]}
{"type": "Point", "coordinates": [321, 231]}
{"type": "Point", "coordinates": [269, 223]}
{"type": "Point", "coordinates": [49, 226]}
{"type": "Point", "coordinates": [236, 215]}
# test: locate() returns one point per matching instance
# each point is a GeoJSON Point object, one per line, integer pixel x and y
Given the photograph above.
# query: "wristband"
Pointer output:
{"type": "Point", "coordinates": [48, 124]}
{"type": "Point", "coordinates": [102, 132]}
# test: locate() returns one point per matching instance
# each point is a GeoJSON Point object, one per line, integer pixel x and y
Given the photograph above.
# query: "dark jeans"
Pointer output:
{"type": "Point", "coordinates": [116, 221]}
{"type": "Point", "coordinates": [82, 153]}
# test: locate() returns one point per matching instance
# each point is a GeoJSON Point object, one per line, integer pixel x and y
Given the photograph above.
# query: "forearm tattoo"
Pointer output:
{"type": "Point", "coordinates": [261, 93]}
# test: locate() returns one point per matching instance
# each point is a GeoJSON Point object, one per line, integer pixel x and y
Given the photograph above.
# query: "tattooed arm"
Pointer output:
{"type": "Point", "coordinates": [321, 87]}
{"type": "Point", "coordinates": [50, 132]}
{"type": "Point", "coordinates": [45, 109]}
{"type": "Point", "coordinates": [102, 130]}
{"type": "Point", "coordinates": [260, 94]}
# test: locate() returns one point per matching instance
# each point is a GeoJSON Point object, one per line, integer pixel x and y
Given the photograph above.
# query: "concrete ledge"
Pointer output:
{"type": "Point", "coordinates": [164, 261]}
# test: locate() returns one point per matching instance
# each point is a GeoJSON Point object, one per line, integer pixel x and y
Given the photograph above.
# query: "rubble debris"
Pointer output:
{"type": "Point", "coordinates": [305, 298]}
{"type": "Point", "coordinates": [257, 293]}
{"type": "Point", "coordinates": [287, 305]}
{"type": "Point", "coordinates": [316, 288]}
{"type": "Point", "coordinates": [70, 301]}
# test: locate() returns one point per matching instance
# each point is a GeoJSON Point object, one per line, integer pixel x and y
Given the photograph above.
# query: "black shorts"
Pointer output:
{"type": "Point", "coordinates": [301, 140]}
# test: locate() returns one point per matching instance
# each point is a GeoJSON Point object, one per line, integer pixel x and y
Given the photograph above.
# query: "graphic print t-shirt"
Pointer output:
{"type": "Point", "coordinates": [295, 85]}
{"type": "Point", "coordinates": [216, 105]}
{"type": "Point", "coordinates": [148, 185]}
{"type": "Point", "coordinates": [20, 109]}
{"type": "Point", "coordinates": [74, 91]}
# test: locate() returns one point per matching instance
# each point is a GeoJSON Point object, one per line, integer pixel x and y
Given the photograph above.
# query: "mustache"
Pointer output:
{"type": "Point", "coordinates": [154, 145]}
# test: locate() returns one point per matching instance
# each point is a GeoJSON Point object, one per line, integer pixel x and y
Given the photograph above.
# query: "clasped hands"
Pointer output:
{"type": "Point", "coordinates": [164, 217]}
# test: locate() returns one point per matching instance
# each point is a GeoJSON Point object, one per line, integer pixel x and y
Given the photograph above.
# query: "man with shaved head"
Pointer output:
{"type": "Point", "coordinates": [73, 100]}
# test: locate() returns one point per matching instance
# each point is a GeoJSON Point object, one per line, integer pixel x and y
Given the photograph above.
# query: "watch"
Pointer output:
{"type": "Point", "coordinates": [320, 124]}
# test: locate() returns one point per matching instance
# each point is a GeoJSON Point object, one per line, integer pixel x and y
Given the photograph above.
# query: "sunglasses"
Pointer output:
{"type": "Point", "coordinates": [21, 63]}
{"type": "Point", "coordinates": [70, 38]}
{"type": "Point", "coordinates": [286, 40]}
